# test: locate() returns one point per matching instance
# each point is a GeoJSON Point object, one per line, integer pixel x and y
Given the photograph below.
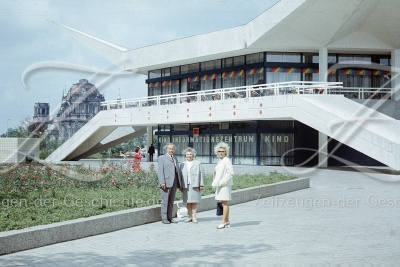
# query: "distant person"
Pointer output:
{"type": "Point", "coordinates": [137, 158]}
{"type": "Point", "coordinates": [222, 181]}
{"type": "Point", "coordinates": [192, 182]}
{"type": "Point", "coordinates": [169, 179]}
{"type": "Point", "coordinates": [151, 151]}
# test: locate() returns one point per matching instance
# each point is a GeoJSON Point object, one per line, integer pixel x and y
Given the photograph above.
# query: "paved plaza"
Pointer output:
{"type": "Point", "coordinates": [344, 217]}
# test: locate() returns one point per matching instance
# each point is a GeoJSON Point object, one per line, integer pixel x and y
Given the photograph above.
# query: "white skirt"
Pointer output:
{"type": "Point", "coordinates": [223, 193]}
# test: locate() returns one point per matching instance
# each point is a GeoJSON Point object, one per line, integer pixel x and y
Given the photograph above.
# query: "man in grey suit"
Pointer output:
{"type": "Point", "coordinates": [169, 179]}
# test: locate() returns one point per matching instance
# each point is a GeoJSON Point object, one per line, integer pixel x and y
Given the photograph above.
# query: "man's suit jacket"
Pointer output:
{"type": "Point", "coordinates": [196, 174]}
{"type": "Point", "coordinates": [166, 171]}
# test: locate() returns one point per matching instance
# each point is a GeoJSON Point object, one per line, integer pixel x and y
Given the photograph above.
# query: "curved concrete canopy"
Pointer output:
{"type": "Point", "coordinates": [289, 25]}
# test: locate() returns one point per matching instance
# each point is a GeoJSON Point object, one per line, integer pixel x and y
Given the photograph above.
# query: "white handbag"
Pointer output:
{"type": "Point", "coordinates": [182, 211]}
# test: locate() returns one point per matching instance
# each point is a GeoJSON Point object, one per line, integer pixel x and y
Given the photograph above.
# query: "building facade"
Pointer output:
{"type": "Point", "coordinates": [78, 105]}
{"type": "Point", "coordinates": [357, 44]}
{"type": "Point", "coordinates": [262, 142]}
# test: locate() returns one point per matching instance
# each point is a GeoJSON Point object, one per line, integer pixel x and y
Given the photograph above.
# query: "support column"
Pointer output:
{"type": "Point", "coordinates": [395, 62]}
{"type": "Point", "coordinates": [323, 138]}
{"type": "Point", "coordinates": [323, 64]}
{"type": "Point", "coordinates": [323, 150]}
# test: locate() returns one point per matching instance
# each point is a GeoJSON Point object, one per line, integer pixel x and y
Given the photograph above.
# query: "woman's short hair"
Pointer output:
{"type": "Point", "coordinates": [169, 144]}
{"type": "Point", "coordinates": [137, 149]}
{"type": "Point", "coordinates": [189, 149]}
{"type": "Point", "coordinates": [222, 145]}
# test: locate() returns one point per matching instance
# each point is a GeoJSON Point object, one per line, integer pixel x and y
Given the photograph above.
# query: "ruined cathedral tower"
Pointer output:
{"type": "Point", "coordinates": [78, 106]}
{"type": "Point", "coordinates": [41, 118]}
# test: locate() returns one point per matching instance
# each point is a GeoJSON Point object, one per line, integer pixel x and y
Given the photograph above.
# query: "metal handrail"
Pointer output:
{"type": "Point", "coordinates": [363, 93]}
{"type": "Point", "coordinates": [248, 91]}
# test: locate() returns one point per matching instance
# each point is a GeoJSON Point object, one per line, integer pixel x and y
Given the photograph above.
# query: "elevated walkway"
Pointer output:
{"type": "Point", "coordinates": [353, 124]}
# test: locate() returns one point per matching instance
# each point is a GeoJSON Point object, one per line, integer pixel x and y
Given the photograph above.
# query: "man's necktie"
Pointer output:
{"type": "Point", "coordinates": [173, 160]}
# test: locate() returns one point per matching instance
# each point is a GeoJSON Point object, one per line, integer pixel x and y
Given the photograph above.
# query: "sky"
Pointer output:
{"type": "Point", "coordinates": [29, 35]}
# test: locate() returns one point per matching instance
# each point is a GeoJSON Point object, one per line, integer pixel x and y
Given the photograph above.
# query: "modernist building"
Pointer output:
{"type": "Point", "coordinates": [263, 87]}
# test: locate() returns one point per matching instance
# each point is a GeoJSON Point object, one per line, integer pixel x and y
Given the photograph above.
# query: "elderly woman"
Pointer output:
{"type": "Point", "coordinates": [223, 181]}
{"type": "Point", "coordinates": [192, 182]}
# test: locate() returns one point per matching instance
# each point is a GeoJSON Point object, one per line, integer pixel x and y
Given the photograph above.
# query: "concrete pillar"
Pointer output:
{"type": "Point", "coordinates": [323, 64]}
{"type": "Point", "coordinates": [323, 150]}
{"type": "Point", "coordinates": [395, 62]}
{"type": "Point", "coordinates": [322, 138]}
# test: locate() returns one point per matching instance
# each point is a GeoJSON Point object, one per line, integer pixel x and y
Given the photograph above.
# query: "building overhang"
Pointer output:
{"type": "Point", "coordinates": [289, 26]}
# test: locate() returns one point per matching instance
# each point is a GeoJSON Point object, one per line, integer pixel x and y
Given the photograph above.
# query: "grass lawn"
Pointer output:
{"type": "Point", "coordinates": [33, 194]}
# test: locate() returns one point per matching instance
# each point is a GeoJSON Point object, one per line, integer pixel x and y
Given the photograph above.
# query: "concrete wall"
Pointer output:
{"type": "Point", "coordinates": [14, 150]}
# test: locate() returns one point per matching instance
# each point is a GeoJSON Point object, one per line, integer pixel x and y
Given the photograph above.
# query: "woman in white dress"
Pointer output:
{"type": "Point", "coordinates": [193, 182]}
{"type": "Point", "coordinates": [223, 181]}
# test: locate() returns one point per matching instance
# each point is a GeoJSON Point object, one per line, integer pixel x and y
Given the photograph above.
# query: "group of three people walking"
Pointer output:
{"type": "Point", "coordinates": [189, 178]}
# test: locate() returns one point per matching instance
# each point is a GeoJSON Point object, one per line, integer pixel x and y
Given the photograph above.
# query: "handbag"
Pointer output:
{"type": "Point", "coordinates": [182, 211]}
{"type": "Point", "coordinates": [219, 209]}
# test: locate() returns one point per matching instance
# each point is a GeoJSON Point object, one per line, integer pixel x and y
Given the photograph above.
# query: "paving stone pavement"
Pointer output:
{"type": "Point", "coordinates": [345, 217]}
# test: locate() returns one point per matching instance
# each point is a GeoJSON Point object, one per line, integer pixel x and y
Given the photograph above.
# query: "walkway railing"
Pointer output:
{"type": "Point", "coordinates": [363, 93]}
{"type": "Point", "coordinates": [259, 90]}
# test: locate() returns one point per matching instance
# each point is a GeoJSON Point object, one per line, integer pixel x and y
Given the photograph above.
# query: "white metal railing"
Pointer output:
{"type": "Point", "coordinates": [363, 93]}
{"type": "Point", "coordinates": [249, 91]}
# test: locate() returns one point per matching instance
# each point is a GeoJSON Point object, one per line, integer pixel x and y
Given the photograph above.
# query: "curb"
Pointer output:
{"type": "Point", "coordinates": [39, 236]}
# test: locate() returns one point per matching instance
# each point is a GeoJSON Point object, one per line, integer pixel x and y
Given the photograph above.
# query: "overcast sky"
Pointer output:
{"type": "Point", "coordinates": [28, 36]}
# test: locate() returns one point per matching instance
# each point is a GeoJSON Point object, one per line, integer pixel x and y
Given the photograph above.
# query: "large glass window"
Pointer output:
{"type": "Point", "coordinates": [279, 74]}
{"type": "Point", "coordinates": [154, 74]}
{"type": "Point", "coordinates": [244, 125]}
{"type": "Point", "coordinates": [273, 146]}
{"type": "Point", "coordinates": [255, 58]}
{"type": "Point", "coordinates": [154, 89]}
{"type": "Point", "coordinates": [180, 127]}
{"type": "Point", "coordinates": [211, 65]}
{"type": "Point", "coordinates": [381, 79]}
{"type": "Point", "coordinates": [184, 69]}
{"type": "Point", "coordinates": [276, 124]}
{"type": "Point", "coordinates": [332, 59]}
{"type": "Point", "coordinates": [245, 149]}
{"type": "Point", "coordinates": [284, 57]}
{"type": "Point", "coordinates": [190, 68]}
{"type": "Point", "coordinates": [355, 77]}
{"type": "Point", "coordinates": [234, 78]}
{"type": "Point", "coordinates": [310, 58]}
{"type": "Point", "coordinates": [201, 144]}
{"type": "Point", "coordinates": [166, 72]}
{"type": "Point", "coordinates": [227, 62]}
{"type": "Point", "coordinates": [210, 81]}
{"type": "Point", "coordinates": [233, 61]}
{"type": "Point", "coordinates": [238, 61]}
{"type": "Point", "coordinates": [175, 71]}
{"type": "Point", "coordinates": [357, 59]}
{"type": "Point", "coordinates": [170, 87]}
{"type": "Point", "coordinates": [255, 76]}
{"type": "Point", "coordinates": [193, 83]}
{"type": "Point", "coordinates": [311, 74]}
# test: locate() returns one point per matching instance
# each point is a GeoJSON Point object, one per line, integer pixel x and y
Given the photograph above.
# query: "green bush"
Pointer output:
{"type": "Point", "coordinates": [35, 194]}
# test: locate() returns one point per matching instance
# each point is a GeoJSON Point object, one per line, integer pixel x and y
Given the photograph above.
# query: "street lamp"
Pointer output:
{"type": "Point", "coordinates": [7, 127]}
